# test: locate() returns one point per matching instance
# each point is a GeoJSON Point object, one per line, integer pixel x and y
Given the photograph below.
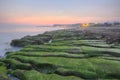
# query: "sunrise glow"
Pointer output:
{"type": "Point", "coordinates": [58, 12]}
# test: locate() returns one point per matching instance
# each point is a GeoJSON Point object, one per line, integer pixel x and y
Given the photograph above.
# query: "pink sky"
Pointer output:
{"type": "Point", "coordinates": [58, 11]}
{"type": "Point", "coordinates": [55, 20]}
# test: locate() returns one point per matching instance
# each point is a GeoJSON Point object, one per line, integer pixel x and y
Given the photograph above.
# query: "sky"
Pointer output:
{"type": "Point", "coordinates": [58, 11]}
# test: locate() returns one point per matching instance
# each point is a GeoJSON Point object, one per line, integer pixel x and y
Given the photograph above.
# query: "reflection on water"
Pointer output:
{"type": "Point", "coordinates": [10, 32]}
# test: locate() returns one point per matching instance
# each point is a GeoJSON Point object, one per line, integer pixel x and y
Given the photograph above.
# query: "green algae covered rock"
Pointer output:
{"type": "Point", "coordinates": [63, 55]}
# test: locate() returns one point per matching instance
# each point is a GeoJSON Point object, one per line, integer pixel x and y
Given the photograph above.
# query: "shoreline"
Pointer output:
{"type": "Point", "coordinates": [69, 48]}
{"type": "Point", "coordinates": [9, 36]}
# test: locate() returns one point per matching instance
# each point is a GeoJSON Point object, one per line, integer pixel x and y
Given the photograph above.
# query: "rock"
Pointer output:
{"type": "Point", "coordinates": [31, 40]}
{"type": "Point", "coordinates": [74, 51]}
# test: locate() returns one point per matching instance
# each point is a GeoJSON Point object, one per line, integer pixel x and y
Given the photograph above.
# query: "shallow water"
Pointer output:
{"type": "Point", "coordinates": [10, 32]}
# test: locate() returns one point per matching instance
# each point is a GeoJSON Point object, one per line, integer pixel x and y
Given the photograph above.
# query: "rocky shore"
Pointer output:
{"type": "Point", "coordinates": [109, 35]}
{"type": "Point", "coordinates": [71, 54]}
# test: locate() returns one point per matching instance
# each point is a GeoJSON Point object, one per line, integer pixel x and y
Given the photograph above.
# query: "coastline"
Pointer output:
{"type": "Point", "coordinates": [48, 58]}
{"type": "Point", "coordinates": [8, 35]}
{"type": "Point", "coordinates": [8, 51]}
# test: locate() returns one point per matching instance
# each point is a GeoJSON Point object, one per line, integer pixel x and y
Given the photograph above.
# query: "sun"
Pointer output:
{"type": "Point", "coordinates": [85, 25]}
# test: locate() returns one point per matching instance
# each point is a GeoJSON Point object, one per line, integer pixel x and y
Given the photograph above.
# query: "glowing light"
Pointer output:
{"type": "Point", "coordinates": [85, 25]}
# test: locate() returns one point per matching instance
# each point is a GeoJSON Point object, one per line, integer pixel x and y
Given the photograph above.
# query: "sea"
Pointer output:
{"type": "Point", "coordinates": [8, 32]}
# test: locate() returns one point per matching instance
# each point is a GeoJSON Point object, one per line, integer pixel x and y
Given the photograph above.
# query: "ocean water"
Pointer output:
{"type": "Point", "coordinates": [9, 32]}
